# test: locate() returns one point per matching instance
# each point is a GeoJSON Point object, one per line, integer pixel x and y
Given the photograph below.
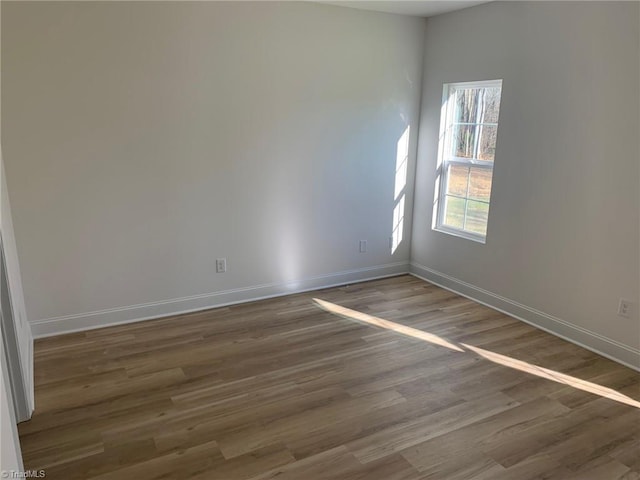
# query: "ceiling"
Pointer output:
{"type": "Point", "coordinates": [418, 8]}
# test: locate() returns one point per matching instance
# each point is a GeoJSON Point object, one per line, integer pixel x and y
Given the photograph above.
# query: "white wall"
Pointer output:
{"type": "Point", "coordinates": [563, 237]}
{"type": "Point", "coordinates": [144, 139]}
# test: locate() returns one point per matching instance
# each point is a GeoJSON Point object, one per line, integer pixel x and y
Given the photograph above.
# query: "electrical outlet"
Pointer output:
{"type": "Point", "coordinates": [624, 308]}
{"type": "Point", "coordinates": [221, 265]}
{"type": "Point", "coordinates": [363, 246]}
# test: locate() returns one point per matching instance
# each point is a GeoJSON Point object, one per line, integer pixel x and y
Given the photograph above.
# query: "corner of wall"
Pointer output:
{"type": "Point", "coordinates": [582, 337]}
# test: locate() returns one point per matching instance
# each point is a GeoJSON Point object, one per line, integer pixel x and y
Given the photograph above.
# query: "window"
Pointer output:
{"type": "Point", "coordinates": [468, 133]}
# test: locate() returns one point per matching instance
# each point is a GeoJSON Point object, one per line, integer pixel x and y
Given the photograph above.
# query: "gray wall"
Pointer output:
{"type": "Point", "coordinates": [563, 236]}
{"type": "Point", "coordinates": [10, 453]}
{"type": "Point", "coordinates": [14, 280]}
{"type": "Point", "coordinates": [144, 139]}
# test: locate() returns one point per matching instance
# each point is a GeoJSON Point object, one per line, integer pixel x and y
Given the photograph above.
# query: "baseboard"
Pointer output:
{"type": "Point", "coordinates": [134, 313]}
{"type": "Point", "coordinates": [595, 342]}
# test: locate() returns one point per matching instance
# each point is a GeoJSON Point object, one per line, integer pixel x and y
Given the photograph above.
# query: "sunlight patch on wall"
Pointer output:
{"type": "Point", "coordinates": [398, 224]}
{"type": "Point", "coordinates": [402, 160]}
{"type": "Point", "coordinates": [289, 256]}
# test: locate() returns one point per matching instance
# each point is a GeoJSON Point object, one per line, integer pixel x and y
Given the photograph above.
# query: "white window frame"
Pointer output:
{"type": "Point", "coordinates": [444, 161]}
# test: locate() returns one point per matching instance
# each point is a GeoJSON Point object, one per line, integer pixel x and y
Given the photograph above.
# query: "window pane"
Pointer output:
{"type": "Point", "coordinates": [480, 184]}
{"type": "Point", "coordinates": [467, 105]}
{"type": "Point", "coordinates": [454, 212]}
{"type": "Point", "coordinates": [457, 181]}
{"type": "Point", "coordinates": [491, 105]}
{"type": "Point", "coordinates": [488, 136]}
{"type": "Point", "coordinates": [464, 141]}
{"type": "Point", "coordinates": [477, 105]}
{"type": "Point", "coordinates": [477, 214]}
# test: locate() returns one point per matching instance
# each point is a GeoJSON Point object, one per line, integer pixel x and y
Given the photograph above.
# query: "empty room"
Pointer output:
{"type": "Point", "coordinates": [386, 240]}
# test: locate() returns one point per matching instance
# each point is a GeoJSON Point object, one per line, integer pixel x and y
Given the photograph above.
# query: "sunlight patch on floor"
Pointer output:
{"type": "Point", "coordinates": [389, 325]}
{"type": "Point", "coordinates": [554, 376]}
{"type": "Point", "coordinates": [494, 357]}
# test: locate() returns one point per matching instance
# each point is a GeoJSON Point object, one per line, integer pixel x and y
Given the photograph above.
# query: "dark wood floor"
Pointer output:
{"type": "Point", "coordinates": [389, 379]}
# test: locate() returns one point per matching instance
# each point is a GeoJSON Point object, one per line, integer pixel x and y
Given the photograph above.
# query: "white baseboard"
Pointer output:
{"type": "Point", "coordinates": [595, 342]}
{"type": "Point", "coordinates": [147, 311]}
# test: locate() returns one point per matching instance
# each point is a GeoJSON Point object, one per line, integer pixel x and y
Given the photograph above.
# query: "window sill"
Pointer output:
{"type": "Point", "coordinates": [461, 234]}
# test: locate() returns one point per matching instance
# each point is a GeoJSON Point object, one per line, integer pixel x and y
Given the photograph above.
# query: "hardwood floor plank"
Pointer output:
{"type": "Point", "coordinates": [301, 423]}
{"type": "Point", "coordinates": [398, 437]}
{"type": "Point", "coordinates": [300, 387]}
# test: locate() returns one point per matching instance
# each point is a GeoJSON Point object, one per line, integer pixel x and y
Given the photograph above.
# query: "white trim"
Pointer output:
{"type": "Point", "coordinates": [31, 399]}
{"type": "Point", "coordinates": [178, 306]}
{"type": "Point", "coordinates": [477, 84]}
{"type": "Point", "coordinates": [456, 232]}
{"type": "Point", "coordinates": [15, 343]}
{"type": "Point", "coordinates": [593, 341]}
{"type": "Point", "coordinates": [469, 162]}
{"type": "Point", "coordinates": [13, 455]}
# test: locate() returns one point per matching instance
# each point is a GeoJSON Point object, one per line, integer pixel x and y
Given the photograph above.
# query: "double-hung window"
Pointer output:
{"type": "Point", "coordinates": [468, 133]}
